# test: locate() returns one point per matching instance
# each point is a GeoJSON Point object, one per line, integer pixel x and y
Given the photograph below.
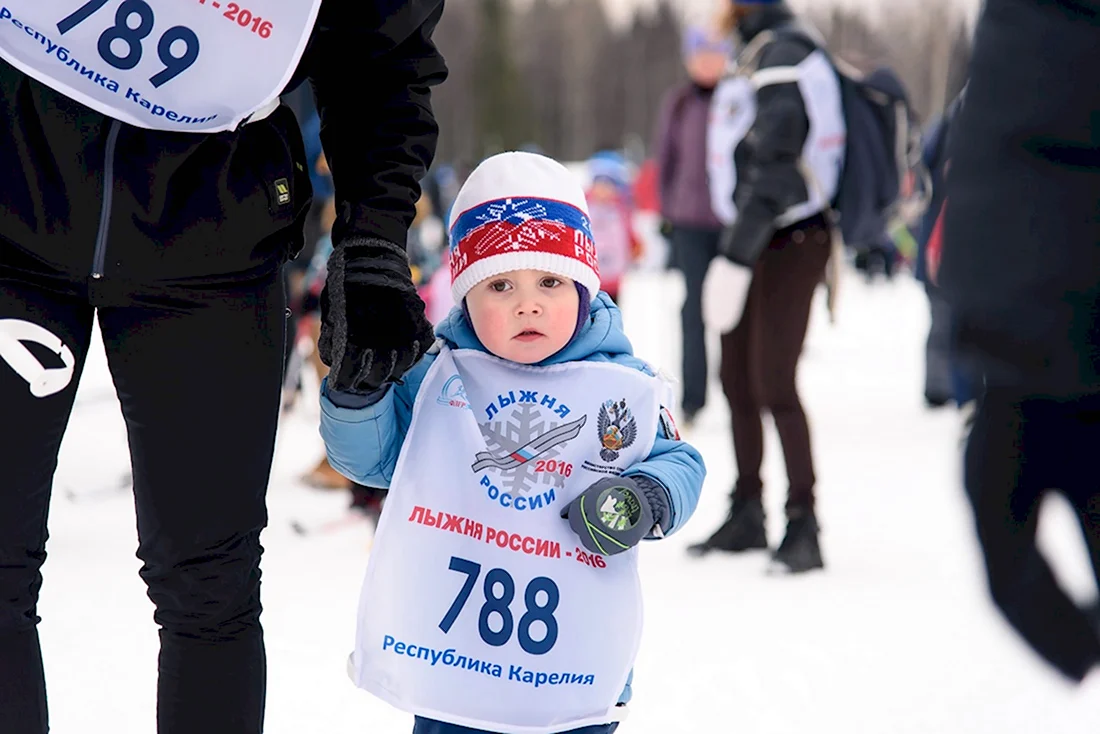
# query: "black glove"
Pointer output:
{"type": "Point", "coordinates": [373, 327]}
{"type": "Point", "coordinates": [743, 242]}
{"type": "Point", "coordinates": [615, 513]}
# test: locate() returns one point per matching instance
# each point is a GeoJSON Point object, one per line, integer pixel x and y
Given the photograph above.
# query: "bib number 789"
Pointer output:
{"type": "Point", "coordinates": [498, 604]}
{"type": "Point", "coordinates": [132, 36]}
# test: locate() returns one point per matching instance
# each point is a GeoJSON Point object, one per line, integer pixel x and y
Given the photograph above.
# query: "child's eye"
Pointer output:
{"type": "Point", "coordinates": [498, 286]}
{"type": "Point", "coordinates": [550, 282]}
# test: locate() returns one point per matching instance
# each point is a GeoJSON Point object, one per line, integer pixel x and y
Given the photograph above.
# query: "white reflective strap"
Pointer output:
{"type": "Point", "coordinates": [42, 381]}
{"type": "Point", "coordinates": [776, 75]}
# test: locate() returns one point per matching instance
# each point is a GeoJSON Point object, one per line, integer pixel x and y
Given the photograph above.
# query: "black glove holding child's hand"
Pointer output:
{"type": "Point", "coordinates": [373, 327]}
{"type": "Point", "coordinates": [614, 514]}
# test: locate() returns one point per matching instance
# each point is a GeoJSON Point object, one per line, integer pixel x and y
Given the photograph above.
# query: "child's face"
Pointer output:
{"type": "Point", "coordinates": [604, 190]}
{"type": "Point", "coordinates": [524, 315]}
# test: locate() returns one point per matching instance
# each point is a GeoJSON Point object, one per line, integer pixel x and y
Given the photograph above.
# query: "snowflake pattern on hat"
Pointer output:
{"type": "Point", "coordinates": [533, 226]}
{"type": "Point", "coordinates": [537, 220]}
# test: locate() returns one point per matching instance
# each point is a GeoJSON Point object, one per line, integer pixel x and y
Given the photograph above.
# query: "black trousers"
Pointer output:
{"type": "Point", "coordinates": [760, 359]}
{"type": "Point", "coordinates": [692, 251]}
{"type": "Point", "coordinates": [1019, 448]}
{"type": "Point", "coordinates": [198, 373]}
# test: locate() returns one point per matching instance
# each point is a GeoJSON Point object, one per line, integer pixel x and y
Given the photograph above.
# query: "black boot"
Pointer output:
{"type": "Point", "coordinates": [799, 551]}
{"type": "Point", "coordinates": [743, 529]}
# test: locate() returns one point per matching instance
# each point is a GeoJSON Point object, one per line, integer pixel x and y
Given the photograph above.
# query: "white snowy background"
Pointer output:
{"type": "Point", "coordinates": [896, 635]}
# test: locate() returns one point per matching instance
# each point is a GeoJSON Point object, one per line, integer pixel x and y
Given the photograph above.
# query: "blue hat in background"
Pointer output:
{"type": "Point", "coordinates": [698, 39]}
{"type": "Point", "coordinates": [611, 166]}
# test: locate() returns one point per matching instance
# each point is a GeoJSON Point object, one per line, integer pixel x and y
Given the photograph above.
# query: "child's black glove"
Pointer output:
{"type": "Point", "coordinates": [373, 327]}
{"type": "Point", "coordinates": [614, 514]}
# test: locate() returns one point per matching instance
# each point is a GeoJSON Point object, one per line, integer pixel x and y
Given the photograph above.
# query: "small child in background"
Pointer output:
{"type": "Point", "coordinates": [611, 211]}
{"type": "Point", "coordinates": [526, 456]}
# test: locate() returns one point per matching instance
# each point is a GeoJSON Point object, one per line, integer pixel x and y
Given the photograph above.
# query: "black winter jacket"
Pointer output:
{"type": "Point", "coordinates": [84, 196]}
{"type": "Point", "coordinates": [768, 180]}
{"type": "Point", "coordinates": [1021, 253]}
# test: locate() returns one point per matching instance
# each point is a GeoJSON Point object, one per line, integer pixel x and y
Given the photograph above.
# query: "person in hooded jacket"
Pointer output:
{"type": "Point", "coordinates": [774, 167]}
{"type": "Point", "coordinates": [691, 226]}
{"type": "Point", "coordinates": [152, 179]}
{"type": "Point", "coordinates": [529, 442]}
{"type": "Point", "coordinates": [1020, 268]}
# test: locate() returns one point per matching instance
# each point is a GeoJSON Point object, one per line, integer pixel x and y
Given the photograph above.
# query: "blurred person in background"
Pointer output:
{"type": "Point", "coordinates": [423, 245]}
{"type": "Point", "coordinates": [690, 223]}
{"type": "Point", "coordinates": [946, 378]}
{"type": "Point", "coordinates": [786, 132]}
{"type": "Point", "coordinates": [646, 196]}
{"type": "Point", "coordinates": [880, 253]}
{"type": "Point", "coordinates": [611, 216]}
{"type": "Point", "coordinates": [1020, 269]}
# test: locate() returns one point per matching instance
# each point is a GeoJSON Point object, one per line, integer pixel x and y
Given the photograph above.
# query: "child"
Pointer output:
{"type": "Point", "coordinates": [527, 455]}
{"type": "Point", "coordinates": [611, 217]}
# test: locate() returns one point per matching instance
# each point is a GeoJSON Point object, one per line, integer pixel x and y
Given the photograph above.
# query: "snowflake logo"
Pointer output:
{"type": "Point", "coordinates": [510, 437]}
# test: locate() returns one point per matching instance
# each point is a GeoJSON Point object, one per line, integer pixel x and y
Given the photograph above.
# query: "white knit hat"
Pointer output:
{"type": "Point", "coordinates": [521, 211]}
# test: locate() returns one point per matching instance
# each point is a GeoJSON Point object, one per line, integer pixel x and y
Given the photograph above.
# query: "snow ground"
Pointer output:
{"type": "Point", "coordinates": [896, 635]}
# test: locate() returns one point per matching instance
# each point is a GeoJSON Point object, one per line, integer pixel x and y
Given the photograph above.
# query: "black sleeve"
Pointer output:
{"type": "Point", "coordinates": [372, 65]}
{"type": "Point", "coordinates": [769, 181]}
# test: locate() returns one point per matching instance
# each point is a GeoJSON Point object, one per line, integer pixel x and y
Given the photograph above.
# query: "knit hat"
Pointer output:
{"type": "Point", "coordinates": [521, 211]}
{"type": "Point", "coordinates": [610, 166]}
{"type": "Point", "coordinates": [698, 39]}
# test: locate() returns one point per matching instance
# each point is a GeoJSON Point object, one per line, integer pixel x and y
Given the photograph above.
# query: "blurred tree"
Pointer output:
{"type": "Point", "coordinates": [928, 46]}
{"type": "Point", "coordinates": [501, 102]}
{"type": "Point", "coordinates": [453, 101]}
{"type": "Point", "coordinates": [556, 74]}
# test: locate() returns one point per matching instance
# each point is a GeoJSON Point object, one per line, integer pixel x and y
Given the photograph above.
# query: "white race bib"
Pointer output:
{"type": "Point", "coordinates": [185, 65]}
{"type": "Point", "coordinates": [480, 607]}
{"type": "Point", "coordinates": [732, 113]}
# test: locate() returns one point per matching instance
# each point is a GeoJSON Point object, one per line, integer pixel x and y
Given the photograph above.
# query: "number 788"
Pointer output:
{"type": "Point", "coordinates": [499, 605]}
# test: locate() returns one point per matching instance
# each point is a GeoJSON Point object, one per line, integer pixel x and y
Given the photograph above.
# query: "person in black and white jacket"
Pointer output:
{"type": "Point", "coordinates": [776, 145]}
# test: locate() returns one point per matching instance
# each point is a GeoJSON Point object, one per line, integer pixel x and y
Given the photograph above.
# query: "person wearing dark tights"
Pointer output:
{"type": "Point", "coordinates": [691, 225]}
{"type": "Point", "coordinates": [164, 203]}
{"type": "Point", "coordinates": [782, 237]}
{"type": "Point", "coordinates": [759, 368]}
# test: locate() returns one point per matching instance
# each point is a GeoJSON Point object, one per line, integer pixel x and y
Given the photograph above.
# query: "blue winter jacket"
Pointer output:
{"type": "Point", "coordinates": [363, 444]}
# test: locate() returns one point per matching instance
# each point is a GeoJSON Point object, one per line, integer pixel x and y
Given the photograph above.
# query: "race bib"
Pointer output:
{"type": "Point", "coordinates": [480, 606]}
{"type": "Point", "coordinates": [185, 65]}
{"type": "Point", "coordinates": [732, 113]}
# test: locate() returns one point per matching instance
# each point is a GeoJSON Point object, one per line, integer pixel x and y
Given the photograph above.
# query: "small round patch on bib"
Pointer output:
{"type": "Point", "coordinates": [619, 508]}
